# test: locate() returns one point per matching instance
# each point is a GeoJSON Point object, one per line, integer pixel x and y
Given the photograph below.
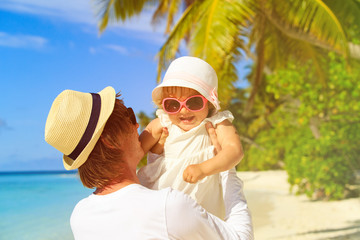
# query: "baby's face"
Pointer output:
{"type": "Point", "coordinates": [186, 119]}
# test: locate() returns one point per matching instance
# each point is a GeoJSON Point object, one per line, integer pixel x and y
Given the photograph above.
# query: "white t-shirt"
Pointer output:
{"type": "Point", "coordinates": [135, 212]}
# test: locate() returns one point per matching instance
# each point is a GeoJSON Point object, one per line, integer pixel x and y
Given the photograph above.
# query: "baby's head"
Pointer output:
{"type": "Point", "coordinates": [191, 80]}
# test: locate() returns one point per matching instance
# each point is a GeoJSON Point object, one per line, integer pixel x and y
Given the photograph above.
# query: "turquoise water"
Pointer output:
{"type": "Point", "coordinates": [36, 206]}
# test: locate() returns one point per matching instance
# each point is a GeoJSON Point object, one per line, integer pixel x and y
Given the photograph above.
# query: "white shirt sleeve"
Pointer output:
{"type": "Point", "coordinates": [237, 213]}
{"type": "Point", "coordinates": [186, 219]}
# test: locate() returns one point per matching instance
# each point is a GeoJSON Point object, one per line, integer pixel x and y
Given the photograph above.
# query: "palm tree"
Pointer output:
{"type": "Point", "coordinates": [270, 32]}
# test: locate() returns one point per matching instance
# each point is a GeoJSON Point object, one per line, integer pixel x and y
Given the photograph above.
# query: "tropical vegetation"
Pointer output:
{"type": "Point", "coordinates": [301, 109]}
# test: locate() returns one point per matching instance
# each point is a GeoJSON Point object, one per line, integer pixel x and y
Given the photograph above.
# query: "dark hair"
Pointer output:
{"type": "Point", "coordinates": [105, 162]}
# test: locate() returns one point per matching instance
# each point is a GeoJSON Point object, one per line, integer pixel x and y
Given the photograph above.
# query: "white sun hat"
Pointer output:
{"type": "Point", "coordinates": [190, 72]}
{"type": "Point", "coordinates": [76, 121]}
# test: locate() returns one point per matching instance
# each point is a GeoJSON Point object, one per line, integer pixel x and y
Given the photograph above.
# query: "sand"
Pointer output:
{"type": "Point", "coordinates": [278, 214]}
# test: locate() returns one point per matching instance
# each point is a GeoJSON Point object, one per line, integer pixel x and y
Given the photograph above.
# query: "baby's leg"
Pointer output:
{"type": "Point", "coordinates": [236, 210]}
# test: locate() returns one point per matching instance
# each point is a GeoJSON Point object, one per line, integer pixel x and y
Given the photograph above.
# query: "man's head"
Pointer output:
{"type": "Point", "coordinates": [106, 162]}
{"type": "Point", "coordinates": [75, 124]}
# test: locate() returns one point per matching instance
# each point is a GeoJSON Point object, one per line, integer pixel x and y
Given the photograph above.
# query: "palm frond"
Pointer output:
{"type": "Point", "coordinates": [115, 10]}
{"type": "Point", "coordinates": [348, 13]}
{"type": "Point", "coordinates": [173, 10]}
{"type": "Point", "coordinates": [219, 23]}
{"type": "Point", "coordinates": [169, 8]}
{"type": "Point", "coordinates": [160, 11]}
{"type": "Point", "coordinates": [216, 39]}
{"type": "Point", "coordinates": [308, 20]}
{"type": "Point", "coordinates": [281, 49]}
{"type": "Point", "coordinates": [181, 29]}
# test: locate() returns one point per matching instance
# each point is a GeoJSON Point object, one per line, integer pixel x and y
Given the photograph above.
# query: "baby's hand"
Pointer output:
{"type": "Point", "coordinates": [158, 148]}
{"type": "Point", "coordinates": [193, 173]}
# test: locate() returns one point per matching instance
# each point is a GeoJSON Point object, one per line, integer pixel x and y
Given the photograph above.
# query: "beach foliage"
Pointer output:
{"type": "Point", "coordinates": [301, 109]}
{"type": "Point", "coordinates": [314, 131]}
{"type": "Point", "coordinates": [269, 32]}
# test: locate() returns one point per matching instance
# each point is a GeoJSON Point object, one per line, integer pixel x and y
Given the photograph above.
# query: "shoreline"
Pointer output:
{"type": "Point", "coordinates": [278, 214]}
{"type": "Point", "coordinates": [6, 173]}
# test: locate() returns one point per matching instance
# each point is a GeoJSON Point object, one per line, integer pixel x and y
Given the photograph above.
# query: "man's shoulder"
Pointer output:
{"type": "Point", "coordinates": [179, 201]}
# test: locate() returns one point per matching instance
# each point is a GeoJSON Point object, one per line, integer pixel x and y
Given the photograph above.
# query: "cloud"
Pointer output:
{"type": "Point", "coordinates": [124, 51]}
{"type": "Point", "coordinates": [22, 41]}
{"type": "Point", "coordinates": [82, 11]}
{"type": "Point", "coordinates": [74, 11]}
{"type": "Point", "coordinates": [117, 48]}
{"type": "Point", "coordinates": [92, 50]}
{"type": "Point", "coordinates": [109, 47]}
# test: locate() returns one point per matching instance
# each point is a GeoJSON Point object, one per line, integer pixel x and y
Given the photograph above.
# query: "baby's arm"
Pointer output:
{"type": "Point", "coordinates": [230, 155]}
{"type": "Point", "coordinates": [153, 137]}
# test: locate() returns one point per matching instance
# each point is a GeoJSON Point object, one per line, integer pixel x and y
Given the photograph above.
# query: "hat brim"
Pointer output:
{"type": "Point", "coordinates": [175, 82]}
{"type": "Point", "coordinates": [108, 97]}
{"type": "Point", "coordinates": [157, 92]}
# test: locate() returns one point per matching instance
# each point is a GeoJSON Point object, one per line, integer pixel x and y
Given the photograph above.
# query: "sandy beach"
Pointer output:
{"type": "Point", "coordinates": [278, 214]}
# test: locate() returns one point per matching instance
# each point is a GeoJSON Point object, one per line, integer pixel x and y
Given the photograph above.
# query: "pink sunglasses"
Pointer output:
{"type": "Point", "coordinates": [194, 103]}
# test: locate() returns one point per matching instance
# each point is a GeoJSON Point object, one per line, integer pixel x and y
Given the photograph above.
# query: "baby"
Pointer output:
{"type": "Point", "coordinates": [187, 98]}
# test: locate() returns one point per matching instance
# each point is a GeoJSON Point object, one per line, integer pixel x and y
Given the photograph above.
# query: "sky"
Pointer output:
{"type": "Point", "coordinates": [49, 46]}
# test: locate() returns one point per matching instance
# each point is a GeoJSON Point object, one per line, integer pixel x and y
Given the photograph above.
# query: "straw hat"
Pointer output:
{"type": "Point", "coordinates": [76, 121]}
{"type": "Point", "coordinates": [190, 72]}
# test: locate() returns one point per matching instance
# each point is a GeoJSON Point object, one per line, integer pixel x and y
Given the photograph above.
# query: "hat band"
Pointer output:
{"type": "Point", "coordinates": [211, 90]}
{"type": "Point", "coordinates": [90, 129]}
{"type": "Point", "coordinates": [188, 78]}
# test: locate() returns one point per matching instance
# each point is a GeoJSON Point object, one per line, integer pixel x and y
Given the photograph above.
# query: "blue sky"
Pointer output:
{"type": "Point", "coordinates": [49, 46]}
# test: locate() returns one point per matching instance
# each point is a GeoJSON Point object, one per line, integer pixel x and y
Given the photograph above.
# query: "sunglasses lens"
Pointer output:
{"type": "Point", "coordinates": [171, 105]}
{"type": "Point", "coordinates": [195, 103]}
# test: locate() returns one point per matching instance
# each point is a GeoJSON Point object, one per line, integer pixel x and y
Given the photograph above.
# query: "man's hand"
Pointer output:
{"type": "Point", "coordinates": [158, 148]}
{"type": "Point", "coordinates": [212, 133]}
{"type": "Point", "coordinates": [193, 173]}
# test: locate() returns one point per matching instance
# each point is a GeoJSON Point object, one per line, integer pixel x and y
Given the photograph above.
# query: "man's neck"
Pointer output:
{"type": "Point", "coordinates": [113, 187]}
{"type": "Point", "coordinates": [125, 180]}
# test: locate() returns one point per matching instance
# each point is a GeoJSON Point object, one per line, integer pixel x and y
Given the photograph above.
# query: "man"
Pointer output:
{"type": "Point", "coordinates": [98, 136]}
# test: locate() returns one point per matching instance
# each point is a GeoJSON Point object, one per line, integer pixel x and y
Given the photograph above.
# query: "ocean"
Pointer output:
{"type": "Point", "coordinates": [38, 205]}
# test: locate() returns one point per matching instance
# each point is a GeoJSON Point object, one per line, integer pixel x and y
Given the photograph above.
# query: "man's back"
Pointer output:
{"type": "Point", "coordinates": [132, 212]}
{"type": "Point", "coordinates": [135, 212]}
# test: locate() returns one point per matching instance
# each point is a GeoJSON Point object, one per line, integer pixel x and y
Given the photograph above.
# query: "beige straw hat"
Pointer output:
{"type": "Point", "coordinates": [76, 121]}
{"type": "Point", "coordinates": [190, 72]}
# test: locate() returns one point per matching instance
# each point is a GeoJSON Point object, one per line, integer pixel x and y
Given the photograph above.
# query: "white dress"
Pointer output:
{"type": "Point", "coordinates": [181, 149]}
